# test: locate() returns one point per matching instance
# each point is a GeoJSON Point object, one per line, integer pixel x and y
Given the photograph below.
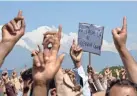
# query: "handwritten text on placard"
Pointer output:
{"type": "Point", "coordinates": [90, 37]}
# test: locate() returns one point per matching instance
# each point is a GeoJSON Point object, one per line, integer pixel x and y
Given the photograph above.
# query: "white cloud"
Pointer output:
{"type": "Point", "coordinates": [108, 46]}
{"type": "Point", "coordinates": [68, 38]}
{"type": "Point", "coordinates": [132, 46]}
{"type": "Point", "coordinates": [31, 39]}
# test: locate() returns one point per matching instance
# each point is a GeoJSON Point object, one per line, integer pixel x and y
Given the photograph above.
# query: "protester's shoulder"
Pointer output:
{"type": "Point", "coordinates": [101, 93]}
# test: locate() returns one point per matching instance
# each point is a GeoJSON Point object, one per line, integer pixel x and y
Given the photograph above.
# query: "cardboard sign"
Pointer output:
{"type": "Point", "coordinates": [90, 37]}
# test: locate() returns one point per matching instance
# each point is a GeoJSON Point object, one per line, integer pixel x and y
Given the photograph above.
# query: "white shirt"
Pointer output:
{"type": "Point", "coordinates": [81, 73]}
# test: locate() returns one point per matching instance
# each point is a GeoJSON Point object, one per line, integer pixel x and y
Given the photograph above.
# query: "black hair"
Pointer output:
{"type": "Point", "coordinates": [27, 74]}
{"type": "Point", "coordinates": [31, 91]}
{"type": "Point", "coordinates": [52, 84]}
{"type": "Point", "coordinates": [122, 82]}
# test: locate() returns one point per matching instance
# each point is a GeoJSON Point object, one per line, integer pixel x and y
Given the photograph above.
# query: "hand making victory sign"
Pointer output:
{"type": "Point", "coordinates": [46, 63]}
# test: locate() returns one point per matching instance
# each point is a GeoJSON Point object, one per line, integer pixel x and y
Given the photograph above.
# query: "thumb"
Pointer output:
{"type": "Point", "coordinates": [114, 33]}
{"type": "Point", "coordinates": [59, 60]}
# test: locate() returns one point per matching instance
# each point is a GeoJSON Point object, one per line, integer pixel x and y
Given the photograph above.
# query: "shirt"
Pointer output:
{"type": "Point", "coordinates": [80, 71]}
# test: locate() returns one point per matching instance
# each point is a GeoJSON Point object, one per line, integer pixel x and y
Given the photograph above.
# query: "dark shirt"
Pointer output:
{"type": "Point", "coordinates": [10, 89]}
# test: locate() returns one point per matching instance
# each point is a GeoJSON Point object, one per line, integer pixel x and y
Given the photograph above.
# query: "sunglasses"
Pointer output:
{"type": "Point", "coordinates": [4, 74]}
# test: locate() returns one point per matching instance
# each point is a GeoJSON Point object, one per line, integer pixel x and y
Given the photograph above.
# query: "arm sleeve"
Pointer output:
{"type": "Point", "coordinates": [98, 85]}
{"type": "Point", "coordinates": [86, 88]}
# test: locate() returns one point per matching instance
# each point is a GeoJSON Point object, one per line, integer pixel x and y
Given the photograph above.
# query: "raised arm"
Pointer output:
{"type": "Point", "coordinates": [76, 55]}
{"type": "Point", "coordinates": [46, 64]}
{"type": "Point", "coordinates": [97, 82]}
{"type": "Point", "coordinates": [120, 37]}
{"type": "Point", "coordinates": [11, 33]}
{"type": "Point", "coordinates": [27, 87]}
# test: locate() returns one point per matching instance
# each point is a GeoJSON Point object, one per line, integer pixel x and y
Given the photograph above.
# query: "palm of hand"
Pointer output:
{"type": "Point", "coordinates": [47, 69]}
{"type": "Point", "coordinates": [121, 38]}
{"type": "Point", "coordinates": [7, 36]}
{"type": "Point", "coordinates": [42, 74]}
{"type": "Point", "coordinates": [76, 52]}
{"type": "Point", "coordinates": [46, 64]}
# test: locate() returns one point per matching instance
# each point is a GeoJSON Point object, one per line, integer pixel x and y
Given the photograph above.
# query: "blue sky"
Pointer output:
{"type": "Point", "coordinates": [69, 14]}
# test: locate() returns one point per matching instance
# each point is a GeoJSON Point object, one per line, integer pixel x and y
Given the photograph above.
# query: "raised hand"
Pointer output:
{"type": "Point", "coordinates": [27, 86]}
{"type": "Point", "coordinates": [53, 92]}
{"type": "Point", "coordinates": [117, 72]}
{"type": "Point", "coordinates": [90, 70]}
{"type": "Point", "coordinates": [120, 35]}
{"type": "Point", "coordinates": [122, 71]}
{"type": "Point", "coordinates": [95, 76]}
{"type": "Point", "coordinates": [107, 72]}
{"type": "Point", "coordinates": [75, 52]}
{"type": "Point", "coordinates": [46, 64]}
{"type": "Point", "coordinates": [13, 31]}
{"type": "Point", "coordinates": [5, 76]}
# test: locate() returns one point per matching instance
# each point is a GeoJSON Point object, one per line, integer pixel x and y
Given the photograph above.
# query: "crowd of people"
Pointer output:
{"type": "Point", "coordinates": [48, 78]}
